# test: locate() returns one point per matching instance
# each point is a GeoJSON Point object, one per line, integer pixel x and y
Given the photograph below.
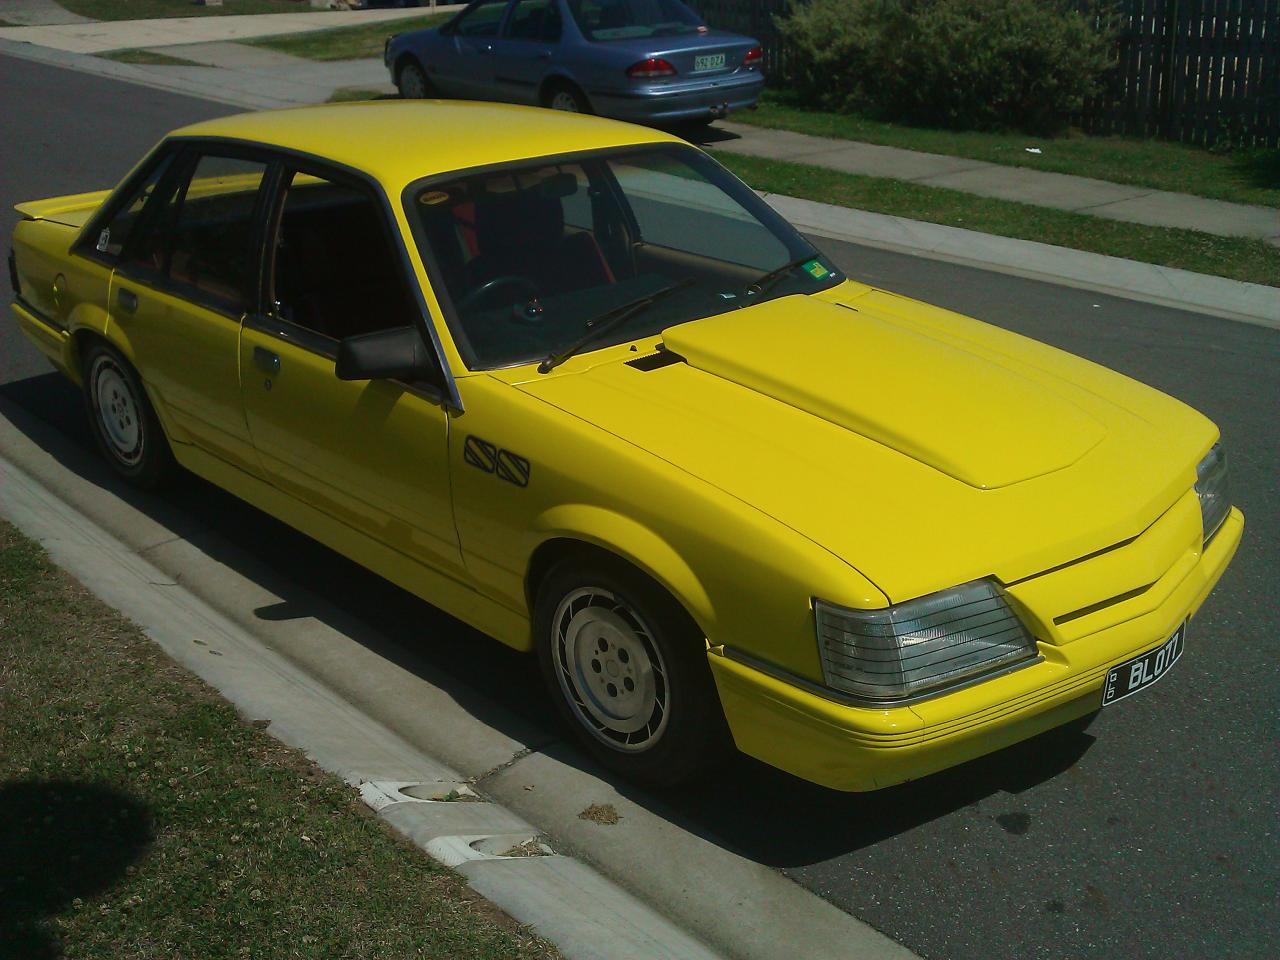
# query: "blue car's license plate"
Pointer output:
{"type": "Point", "coordinates": [710, 61]}
{"type": "Point", "coordinates": [1141, 672]}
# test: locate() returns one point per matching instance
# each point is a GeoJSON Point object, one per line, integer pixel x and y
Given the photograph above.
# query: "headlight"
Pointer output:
{"type": "Point", "coordinates": [922, 645]}
{"type": "Point", "coordinates": [1213, 489]}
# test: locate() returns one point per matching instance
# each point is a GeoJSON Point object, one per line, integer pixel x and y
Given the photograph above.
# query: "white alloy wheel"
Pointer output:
{"type": "Point", "coordinates": [564, 99]}
{"type": "Point", "coordinates": [118, 411]}
{"type": "Point", "coordinates": [610, 670]}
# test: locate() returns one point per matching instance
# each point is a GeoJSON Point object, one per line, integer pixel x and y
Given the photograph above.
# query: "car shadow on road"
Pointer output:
{"type": "Point", "coordinates": [705, 136]}
{"type": "Point", "coordinates": [807, 823]}
{"type": "Point", "coordinates": [60, 841]}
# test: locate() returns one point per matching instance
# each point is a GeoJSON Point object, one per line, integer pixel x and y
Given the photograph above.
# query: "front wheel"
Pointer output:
{"type": "Point", "coordinates": [627, 668]}
{"type": "Point", "coordinates": [122, 420]}
{"type": "Point", "coordinates": [412, 82]}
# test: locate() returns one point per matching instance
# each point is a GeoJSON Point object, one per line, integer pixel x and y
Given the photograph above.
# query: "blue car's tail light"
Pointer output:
{"type": "Point", "coordinates": [649, 68]}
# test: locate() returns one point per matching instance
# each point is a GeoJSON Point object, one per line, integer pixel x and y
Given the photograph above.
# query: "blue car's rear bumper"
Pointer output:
{"type": "Point", "coordinates": [686, 101]}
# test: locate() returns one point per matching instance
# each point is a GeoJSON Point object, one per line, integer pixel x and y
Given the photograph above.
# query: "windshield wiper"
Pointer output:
{"type": "Point", "coordinates": [610, 320]}
{"type": "Point", "coordinates": [767, 280]}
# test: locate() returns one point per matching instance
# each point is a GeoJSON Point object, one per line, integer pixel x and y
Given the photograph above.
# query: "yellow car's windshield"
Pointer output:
{"type": "Point", "coordinates": [533, 256]}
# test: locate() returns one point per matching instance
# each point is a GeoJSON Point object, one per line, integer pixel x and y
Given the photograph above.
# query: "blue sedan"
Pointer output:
{"type": "Point", "coordinates": [651, 61]}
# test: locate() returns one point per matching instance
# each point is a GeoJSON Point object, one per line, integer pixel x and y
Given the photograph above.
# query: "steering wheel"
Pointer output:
{"type": "Point", "coordinates": [477, 295]}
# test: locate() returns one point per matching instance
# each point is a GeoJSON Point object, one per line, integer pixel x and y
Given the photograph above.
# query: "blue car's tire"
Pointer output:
{"type": "Point", "coordinates": [412, 82]}
{"type": "Point", "coordinates": [562, 95]}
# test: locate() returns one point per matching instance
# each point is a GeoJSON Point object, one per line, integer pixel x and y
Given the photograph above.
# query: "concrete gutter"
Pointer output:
{"type": "Point", "coordinates": [1252, 303]}
{"type": "Point", "coordinates": [641, 888]}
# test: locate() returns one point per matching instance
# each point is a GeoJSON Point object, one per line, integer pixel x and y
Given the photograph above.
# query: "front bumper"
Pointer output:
{"type": "Point", "coordinates": [859, 748]}
{"type": "Point", "coordinates": [659, 103]}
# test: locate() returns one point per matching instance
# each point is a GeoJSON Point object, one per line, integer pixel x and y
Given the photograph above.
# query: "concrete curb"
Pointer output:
{"type": "Point", "coordinates": [333, 686]}
{"type": "Point", "coordinates": [1251, 303]}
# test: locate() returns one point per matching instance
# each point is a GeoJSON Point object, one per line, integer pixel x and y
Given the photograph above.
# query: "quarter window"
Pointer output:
{"type": "Point", "coordinates": [115, 234]}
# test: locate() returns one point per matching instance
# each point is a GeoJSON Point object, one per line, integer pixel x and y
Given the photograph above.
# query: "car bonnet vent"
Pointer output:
{"type": "Point", "coordinates": [663, 358]}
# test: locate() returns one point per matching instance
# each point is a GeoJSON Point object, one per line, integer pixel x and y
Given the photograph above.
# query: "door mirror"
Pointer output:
{"type": "Point", "coordinates": [396, 354]}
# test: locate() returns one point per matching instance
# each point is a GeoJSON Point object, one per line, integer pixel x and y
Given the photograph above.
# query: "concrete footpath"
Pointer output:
{"type": "Point", "coordinates": [99, 36]}
{"type": "Point", "coordinates": [643, 888]}
{"type": "Point", "coordinates": [1098, 198]}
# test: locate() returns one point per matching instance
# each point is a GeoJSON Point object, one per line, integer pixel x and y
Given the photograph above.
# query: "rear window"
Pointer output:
{"type": "Point", "coordinates": [606, 20]}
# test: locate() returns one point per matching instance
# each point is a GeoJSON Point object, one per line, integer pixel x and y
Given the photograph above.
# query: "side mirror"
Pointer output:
{"type": "Point", "coordinates": [396, 354]}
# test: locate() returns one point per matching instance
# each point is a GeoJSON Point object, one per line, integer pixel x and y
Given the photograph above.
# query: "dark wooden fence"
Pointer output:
{"type": "Point", "coordinates": [1199, 71]}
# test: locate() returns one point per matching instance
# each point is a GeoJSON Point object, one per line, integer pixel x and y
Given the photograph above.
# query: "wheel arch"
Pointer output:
{"type": "Point", "coordinates": [83, 337]}
{"type": "Point", "coordinates": [403, 59]}
{"type": "Point", "coordinates": [584, 530]}
{"type": "Point", "coordinates": [561, 79]}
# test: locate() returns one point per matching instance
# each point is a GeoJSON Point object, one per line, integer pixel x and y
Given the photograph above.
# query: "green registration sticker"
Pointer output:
{"type": "Point", "coordinates": [816, 270]}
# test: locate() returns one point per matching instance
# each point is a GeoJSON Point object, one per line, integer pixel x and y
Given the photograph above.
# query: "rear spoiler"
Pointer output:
{"type": "Point", "coordinates": [72, 210]}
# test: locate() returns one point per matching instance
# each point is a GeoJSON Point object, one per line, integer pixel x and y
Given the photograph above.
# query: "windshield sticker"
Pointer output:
{"type": "Point", "coordinates": [434, 197]}
{"type": "Point", "coordinates": [815, 269]}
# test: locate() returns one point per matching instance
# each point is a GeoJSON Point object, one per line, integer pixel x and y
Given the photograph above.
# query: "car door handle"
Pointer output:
{"type": "Point", "coordinates": [265, 360]}
{"type": "Point", "coordinates": [127, 299]}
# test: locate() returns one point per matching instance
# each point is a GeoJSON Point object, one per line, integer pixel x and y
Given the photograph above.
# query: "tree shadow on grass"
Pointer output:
{"type": "Point", "coordinates": [60, 840]}
{"type": "Point", "coordinates": [1258, 168]}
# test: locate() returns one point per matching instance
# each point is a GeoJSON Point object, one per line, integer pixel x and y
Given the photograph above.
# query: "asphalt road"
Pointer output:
{"type": "Point", "coordinates": [1153, 835]}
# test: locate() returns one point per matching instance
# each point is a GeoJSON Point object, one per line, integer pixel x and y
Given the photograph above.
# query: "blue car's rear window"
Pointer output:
{"type": "Point", "coordinates": [632, 19]}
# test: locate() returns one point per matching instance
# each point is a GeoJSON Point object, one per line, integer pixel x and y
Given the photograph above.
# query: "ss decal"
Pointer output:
{"type": "Point", "coordinates": [506, 465]}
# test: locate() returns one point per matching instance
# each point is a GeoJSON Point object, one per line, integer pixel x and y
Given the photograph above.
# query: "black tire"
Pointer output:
{"type": "Point", "coordinates": [123, 422]}
{"type": "Point", "coordinates": [412, 82]}
{"type": "Point", "coordinates": [559, 94]}
{"type": "Point", "coordinates": [684, 733]}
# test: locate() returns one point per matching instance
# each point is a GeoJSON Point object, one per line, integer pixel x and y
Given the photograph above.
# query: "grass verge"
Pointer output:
{"type": "Point", "coordinates": [140, 817]}
{"type": "Point", "coordinates": [346, 43]}
{"type": "Point", "coordinates": [1241, 176]}
{"type": "Point", "coordinates": [158, 9]}
{"type": "Point", "coordinates": [1236, 258]}
{"type": "Point", "coordinates": [347, 94]}
{"type": "Point", "coordinates": [147, 57]}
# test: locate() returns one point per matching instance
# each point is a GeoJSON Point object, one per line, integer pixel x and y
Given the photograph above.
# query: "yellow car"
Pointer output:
{"type": "Point", "coordinates": [571, 381]}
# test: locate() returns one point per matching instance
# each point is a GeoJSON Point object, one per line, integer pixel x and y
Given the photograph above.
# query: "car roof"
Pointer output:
{"type": "Point", "coordinates": [400, 141]}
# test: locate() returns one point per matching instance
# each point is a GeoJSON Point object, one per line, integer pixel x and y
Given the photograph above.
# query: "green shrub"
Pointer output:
{"type": "Point", "coordinates": [962, 64]}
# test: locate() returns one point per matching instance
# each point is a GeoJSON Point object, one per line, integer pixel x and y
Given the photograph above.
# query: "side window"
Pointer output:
{"type": "Point", "coordinates": [203, 237]}
{"type": "Point", "coordinates": [115, 234]}
{"type": "Point", "coordinates": [537, 20]}
{"type": "Point", "coordinates": [335, 270]}
{"type": "Point", "coordinates": [481, 20]}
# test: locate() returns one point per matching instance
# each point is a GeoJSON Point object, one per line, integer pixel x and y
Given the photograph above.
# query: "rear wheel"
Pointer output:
{"type": "Point", "coordinates": [627, 668]}
{"type": "Point", "coordinates": [565, 96]}
{"type": "Point", "coordinates": [412, 81]}
{"type": "Point", "coordinates": [123, 422]}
